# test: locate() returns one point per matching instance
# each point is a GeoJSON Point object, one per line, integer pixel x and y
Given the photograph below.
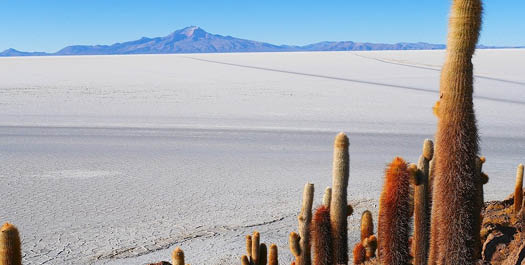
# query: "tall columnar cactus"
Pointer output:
{"type": "Point", "coordinates": [394, 217]}
{"type": "Point", "coordinates": [305, 220]}
{"type": "Point", "coordinates": [422, 205]}
{"type": "Point", "coordinates": [518, 190]}
{"type": "Point", "coordinates": [177, 257]}
{"type": "Point", "coordinates": [454, 187]}
{"type": "Point", "coordinates": [321, 237]}
{"type": "Point", "coordinates": [10, 251]}
{"type": "Point", "coordinates": [338, 204]}
{"type": "Point", "coordinates": [273, 257]}
{"type": "Point", "coordinates": [256, 254]}
{"type": "Point", "coordinates": [367, 225]}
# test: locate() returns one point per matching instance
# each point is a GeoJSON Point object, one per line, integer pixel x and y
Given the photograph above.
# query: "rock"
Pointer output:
{"type": "Point", "coordinates": [517, 257]}
{"type": "Point", "coordinates": [496, 242]}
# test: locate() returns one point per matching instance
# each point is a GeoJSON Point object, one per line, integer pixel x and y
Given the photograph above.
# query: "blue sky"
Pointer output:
{"type": "Point", "coordinates": [40, 25]}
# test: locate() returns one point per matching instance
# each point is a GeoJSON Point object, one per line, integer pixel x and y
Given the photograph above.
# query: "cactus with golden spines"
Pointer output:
{"type": "Point", "coordinates": [322, 237]}
{"type": "Point", "coordinates": [394, 219]}
{"type": "Point", "coordinates": [10, 251]}
{"type": "Point", "coordinates": [370, 245]}
{"type": "Point", "coordinates": [518, 190]}
{"type": "Point", "coordinates": [422, 205]}
{"type": "Point", "coordinates": [359, 253]}
{"type": "Point", "coordinates": [177, 257]}
{"type": "Point", "coordinates": [338, 204]}
{"type": "Point", "coordinates": [293, 242]}
{"type": "Point", "coordinates": [327, 197]}
{"type": "Point", "coordinates": [454, 185]}
{"type": "Point", "coordinates": [257, 253]}
{"type": "Point", "coordinates": [367, 225]}
{"type": "Point", "coordinates": [273, 257]}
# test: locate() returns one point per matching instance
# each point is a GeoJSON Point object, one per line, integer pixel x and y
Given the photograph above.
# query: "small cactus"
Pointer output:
{"type": "Point", "coordinates": [370, 245]}
{"type": "Point", "coordinates": [338, 204]}
{"type": "Point", "coordinates": [518, 190]}
{"type": "Point", "coordinates": [367, 225]}
{"type": "Point", "coordinates": [359, 253]}
{"type": "Point", "coordinates": [394, 220]}
{"type": "Point", "coordinates": [10, 251]}
{"type": "Point", "coordinates": [255, 257]}
{"type": "Point", "coordinates": [258, 252]}
{"type": "Point", "coordinates": [293, 242]}
{"type": "Point", "coordinates": [321, 237]}
{"type": "Point", "coordinates": [177, 257]}
{"type": "Point", "coordinates": [263, 255]}
{"type": "Point", "coordinates": [305, 220]}
{"type": "Point", "coordinates": [273, 257]}
{"type": "Point", "coordinates": [327, 197]}
{"type": "Point", "coordinates": [422, 205]}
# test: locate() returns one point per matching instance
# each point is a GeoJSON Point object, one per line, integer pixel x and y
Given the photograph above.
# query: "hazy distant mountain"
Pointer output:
{"type": "Point", "coordinates": [195, 40]}
{"type": "Point", "coordinates": [13, 52]}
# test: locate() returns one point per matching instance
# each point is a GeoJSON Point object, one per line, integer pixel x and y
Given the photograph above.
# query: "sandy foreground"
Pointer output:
{"type": "Point", "coordinates": [118, 159]}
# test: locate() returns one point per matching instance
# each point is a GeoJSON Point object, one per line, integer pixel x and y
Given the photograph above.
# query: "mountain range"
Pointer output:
{"type": "Point", "coordinates": [196, 40]}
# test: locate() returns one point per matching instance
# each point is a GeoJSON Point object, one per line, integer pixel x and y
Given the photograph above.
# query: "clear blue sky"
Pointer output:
{"type": "Point", "coordinates": [40, 25]}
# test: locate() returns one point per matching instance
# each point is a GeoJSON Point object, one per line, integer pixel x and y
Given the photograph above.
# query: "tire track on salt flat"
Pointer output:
{"type": "Point", "coordinates": [351, 79]}
{"type": "Point", "coordinates": [439, 70]}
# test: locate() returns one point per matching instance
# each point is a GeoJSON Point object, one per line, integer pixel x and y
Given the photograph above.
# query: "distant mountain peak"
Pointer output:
{"type": "Point", "coordinates": [194, 39]}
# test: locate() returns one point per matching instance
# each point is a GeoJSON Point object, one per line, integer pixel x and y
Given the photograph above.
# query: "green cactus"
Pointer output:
{"type": "Point", "coordinates": [454, 185]}
{"type": "Point", "coordinates": [338, 204]}
{"type": "Point", "coordinates": [10, 251]}
{"type": "Point", "coordinates": [394, 217]}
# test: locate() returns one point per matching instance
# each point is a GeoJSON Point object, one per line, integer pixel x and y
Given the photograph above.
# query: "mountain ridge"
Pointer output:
{"type": "Point", "coordinates": [194, 39]}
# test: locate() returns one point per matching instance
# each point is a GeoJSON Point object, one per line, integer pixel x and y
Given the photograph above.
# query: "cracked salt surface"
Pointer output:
{"type": "Point", "coordinates": [118, 159]}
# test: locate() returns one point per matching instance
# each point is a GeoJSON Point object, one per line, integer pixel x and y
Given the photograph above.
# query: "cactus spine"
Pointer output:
{"type": "Point", "coordinates": [177, 257]}
{"type": "Point", "coordinates": [454, 187]}
{"type": "Point", "coordinates": [518, 190]}
{"type": "Point", "coordinates": [273, 258]}
{"type": "Point", "coordinates": [338, 204]}
{"type": "Point", "coordinates": [10, 251]}
{"type": "Point", "coordinates": [321, 237]}
{"type": "Point", "coordinates": [394, 219]}
{"type": "Point", "coordinates": [422, 205]}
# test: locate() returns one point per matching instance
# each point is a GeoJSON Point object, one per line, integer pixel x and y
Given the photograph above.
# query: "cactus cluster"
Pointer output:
{"type": "Point", "coordinates": [366, 248]}
{"type": "Point", "coordinates": [257, 252]}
